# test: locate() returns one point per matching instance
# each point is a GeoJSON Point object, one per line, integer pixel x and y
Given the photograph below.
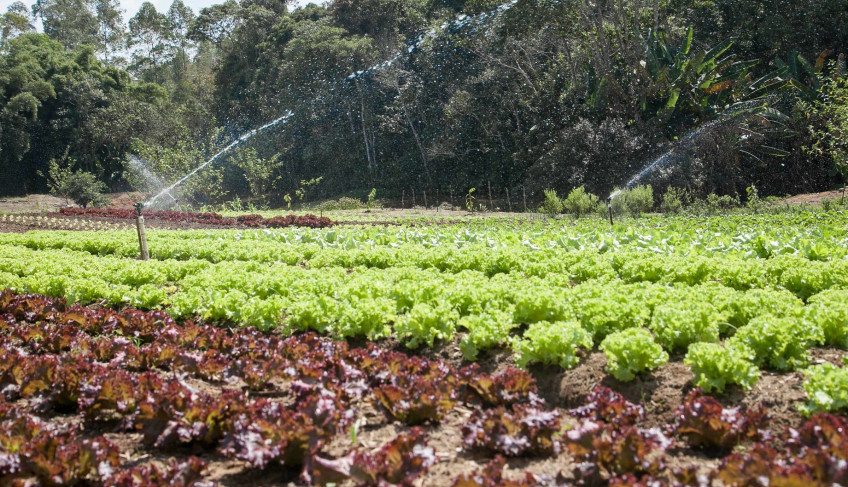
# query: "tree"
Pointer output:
{"type": "Point", "coordinates": [54, 100]}
{"type": "Point", "coordinates": [111, 35]}
{"type": "Point", "coordinates": [149, 42]}
{"type": "Point", "coordinates": [71, 22]}
{"type": "Point", "coordinates": [180, 17]}
{"type": "Point", "coordinates": [14, 22]}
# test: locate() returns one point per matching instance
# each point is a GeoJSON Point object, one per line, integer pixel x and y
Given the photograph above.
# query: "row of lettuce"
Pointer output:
{"type": "Point", "coordinates": [820, 238]}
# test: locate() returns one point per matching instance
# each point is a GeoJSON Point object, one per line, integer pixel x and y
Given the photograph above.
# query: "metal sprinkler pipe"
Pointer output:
{"type": "Point", "coordinates": [142, 235]}
{"type": "Point", "coordinates": [609, 208]}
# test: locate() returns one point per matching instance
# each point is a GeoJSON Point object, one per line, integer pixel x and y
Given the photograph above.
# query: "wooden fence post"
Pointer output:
{"type": "Point", "coordinates": [425, 199]}
{"type": "Point", "coordinates": [524, 193]}
{"type": "Point", "coordinates": [402, 197]}
{"type": "Point", "coordinates": [508, 202]}
{"type": "Point", "coordinates": [491, 205]}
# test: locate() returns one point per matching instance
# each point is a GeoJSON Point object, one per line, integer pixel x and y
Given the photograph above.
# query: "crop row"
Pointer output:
{"type": "Point", "coordinates": [309, 221]}
{"type": "Point", "coordinates": [400, 245]}
{"type": "Point", "coordinates": [134, 369]}
{"type": "Point", "coordinates": [801, 276]}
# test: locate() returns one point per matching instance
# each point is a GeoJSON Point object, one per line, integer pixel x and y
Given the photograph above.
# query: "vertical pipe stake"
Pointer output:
{"type": "Point", "coordinates": [142, 235]}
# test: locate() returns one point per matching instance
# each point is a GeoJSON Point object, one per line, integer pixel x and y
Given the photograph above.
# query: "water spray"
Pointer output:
{"type": "Point", "coordinates": [142, 236]}
{"type": "Point", "coordinates": [609, 208]}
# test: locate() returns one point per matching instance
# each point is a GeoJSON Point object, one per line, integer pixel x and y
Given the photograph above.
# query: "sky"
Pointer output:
{"type": "Point", "coordinates": [131, 6]}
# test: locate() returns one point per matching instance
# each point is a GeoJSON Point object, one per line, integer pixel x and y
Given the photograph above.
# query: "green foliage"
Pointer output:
{"type": "Point", "coordinates": [556, 343]}
{"type": "Point", "coordinates": [469, 200]}
{"type": "Point", "coordinates": [634, 201]}
{"type": "Point", "coordinates": [579, 202]}
{"type": "Point", "coordinates": [631, 352]}
{"type": "Point", "coordinates": [66, 101]}
{"type": "Point", "coordinates": [372, 198]}
{"type": "Point", "coordinates": [826, 386]}
{"type": "Point", "coordinates": [674, 200]}
{"type": "Point", "coordinates": [306, 184]}
{"type": "Point", "coordinates": [716, 366]}
{"type": "Point", "coordinates": [262, 175]}
{"type": "Point", "coordinates": [171, 164]}
{"type": "Point", "coordinates": [552, 206]}
{"type": "Point", "coordinates": [343, 203]}
{"type": "Point", "coordinates": [831, 137]}
{"type": "Point", "coordinates": [777, 343]}
{"type": "Point", "coordinates": [79, 186]}
{"type": "Point", "coordinates": [713, 204]}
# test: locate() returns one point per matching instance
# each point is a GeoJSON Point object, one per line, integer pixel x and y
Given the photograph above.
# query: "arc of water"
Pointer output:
{"type": "Point", "coordinates": [687, 142]}
{"type": "Point", "coordinates": [242, 139]}
{"type": "Point", "coordinates": [460, 21]}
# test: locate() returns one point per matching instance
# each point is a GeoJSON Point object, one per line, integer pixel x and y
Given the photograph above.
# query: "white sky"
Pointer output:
{"type": "Point", "coordinates": [131, 6]}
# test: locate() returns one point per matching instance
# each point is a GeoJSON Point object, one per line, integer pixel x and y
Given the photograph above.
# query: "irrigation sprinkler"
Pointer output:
{"type": "Point", "coordinates": [142, 236]}
{"type": "Point", "coordinates": [609, 207]}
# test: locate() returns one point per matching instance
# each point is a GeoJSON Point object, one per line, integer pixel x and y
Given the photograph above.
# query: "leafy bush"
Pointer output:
{"type": "Point", "coordinates": [79, 186]}
{"type": "Point", "coordinates": [552, 206]}
{"type": "Point", "coordinates": [579, 202]}
{"type": "Point", "coordinates": [634, 201]}
{"type": "Point", "coordinates": [714, 204]}
{"type": "Point", "coordinates": [679, 324]}
{"type": "Point", "coordinates": [777, 343]}
{"type": "Point", "coordinates": [261, 174]}
{"type": "Point", "coordinates": [632, 351]}
{"type": "Point", "coordinates": [674, 200]}
{"type": "Point", "coordinates": [830, 136]}
{"type": "Point", "coordinates": [552, 343]}
{"type": "Point", "coordinates": [827, 389]}
{"type": "Point", "coordinates": [343, 203]}
{"type": "Point", "coordinates": [716, 366]}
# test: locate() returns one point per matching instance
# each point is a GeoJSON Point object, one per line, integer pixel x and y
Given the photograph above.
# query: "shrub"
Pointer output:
{"type": "Point", "coordinates": [552, 343]}
{"type": "Point", "coordinates": [632, 351]}
{"type": "Point", "coordinates": [579, 202]}
{"type": "Point", "coordinates": [79, 186]}
{"type": "Point", "coordinates": [634, 201]}
{"type": "Point", "coordinates": [674, 200]}
{"type": "Point", "coordinates": [716, 366]}
{"type": "Point", "coordinates": [343, 203]}
{"type": "Point", "coordinates": [552, 206]}
{"type": "Point", "coordinates": [714, 204]}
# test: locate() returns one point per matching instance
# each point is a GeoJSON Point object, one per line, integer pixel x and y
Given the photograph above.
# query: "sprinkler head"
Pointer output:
{"type": "Point", "coordinates": [138, 207]}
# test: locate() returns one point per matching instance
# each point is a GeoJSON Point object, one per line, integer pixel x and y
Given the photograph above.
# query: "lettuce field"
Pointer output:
{"type": "Point", "coordinates": [488, 352]}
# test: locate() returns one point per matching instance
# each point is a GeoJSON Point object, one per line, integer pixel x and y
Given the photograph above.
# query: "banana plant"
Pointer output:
{"type": "Point", "coordinates": [702, 82]}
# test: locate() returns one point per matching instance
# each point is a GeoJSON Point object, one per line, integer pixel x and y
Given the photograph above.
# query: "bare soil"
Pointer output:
{"type": "Point", "coordinates": [813, 199]}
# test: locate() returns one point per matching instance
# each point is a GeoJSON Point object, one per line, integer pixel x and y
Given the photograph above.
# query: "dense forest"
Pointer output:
{"type": "Point", "coordinates": [426, 94]}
